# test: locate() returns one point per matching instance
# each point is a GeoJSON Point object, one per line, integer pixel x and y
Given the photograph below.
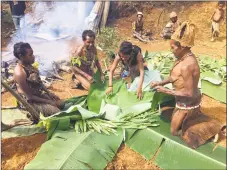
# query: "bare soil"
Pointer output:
{"type": "Point", "coordinates": [17, 152]}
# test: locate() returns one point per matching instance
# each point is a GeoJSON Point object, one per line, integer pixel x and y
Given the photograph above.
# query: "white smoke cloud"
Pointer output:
{"type": "Point", "coordinates": [60, 23]}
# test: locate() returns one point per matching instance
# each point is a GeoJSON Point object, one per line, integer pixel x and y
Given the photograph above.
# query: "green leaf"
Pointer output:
{"type": "Point", "coordinates": [211, 77]}
{"type": "Point", "coordinates": [214, 91]}
{"type": "Point", "coordinates": [149, 145]}
{"type": "Point", "coordinates": [69, 150]}
{"type": "Point", "coordinates": [160, 98]}
{"type": "Point", "coordinates": [171, 151]}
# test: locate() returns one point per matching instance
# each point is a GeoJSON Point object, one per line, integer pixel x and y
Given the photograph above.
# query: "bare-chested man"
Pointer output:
{"type": "Point", "coordinates": [194, 127]}
{"type": "Point", "coordinates": [216, 18]}
{"type": "Point", "coordinates": [84, 61]}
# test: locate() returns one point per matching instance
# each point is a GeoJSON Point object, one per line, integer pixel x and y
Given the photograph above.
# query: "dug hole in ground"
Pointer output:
{"type": "Point", "coordinates": [17, 152]}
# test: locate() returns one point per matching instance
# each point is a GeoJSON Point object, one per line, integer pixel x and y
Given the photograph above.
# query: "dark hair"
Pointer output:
{"type": "Point", "coordinates": [126, 48]}
{"type": "Point", "coordinates": [19, 49]}
{"type": "Point", "coordinates": [221, 2]}
{"type": "Point", "coordinates": [88, 33]}
{"type": "Point", "coordinates": [132, 51]}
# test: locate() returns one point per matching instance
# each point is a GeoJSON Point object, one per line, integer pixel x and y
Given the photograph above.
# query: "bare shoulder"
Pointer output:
{"type": "Point", "coordinates": [117, 58]}
{"type": "Point", "coordinates": [190, 64]}
{"type": "Point", "coordinates": [79, 50]}
{"type": "Point", "coordinates": [19, 72]}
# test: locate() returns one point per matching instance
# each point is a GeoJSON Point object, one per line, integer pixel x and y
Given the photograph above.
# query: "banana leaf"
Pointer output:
{"type": "Point", "coordinates": [61, 120]}
{"type": "Point", "coordinates": [9, 116]}
{"type": "Point", "coordinates": [172, 152]}
{"type": "Point", "coordinates": [69, 150]}
{"type": "Point", "coordinates": [120, 97]}
{"type": "Point", "coordinates": [214, 91]}
{"type": "Point", "coordinates": [160, 98]}
{"type": "Point", "coordinates": [78, 100]}
{"type": "Point", "coordinates": [211, 77]}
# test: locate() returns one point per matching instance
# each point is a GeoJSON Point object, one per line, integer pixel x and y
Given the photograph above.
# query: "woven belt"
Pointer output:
{"type": "Point", "coordinates": [185, 107]}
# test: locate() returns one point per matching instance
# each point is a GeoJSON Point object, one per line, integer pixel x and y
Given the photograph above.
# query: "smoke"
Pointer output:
{"type": "Point", "coordinates": [50, 28]}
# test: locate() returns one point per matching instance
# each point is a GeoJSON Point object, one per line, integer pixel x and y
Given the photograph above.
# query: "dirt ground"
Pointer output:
{"type": "Point", "coordinates": [129, 159]}
{"type": "Point", "coordinates": [17, 152]}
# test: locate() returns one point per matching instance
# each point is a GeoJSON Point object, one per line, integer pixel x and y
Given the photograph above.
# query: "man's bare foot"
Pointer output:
{"type": "Point", "coordinates": [212, 39]}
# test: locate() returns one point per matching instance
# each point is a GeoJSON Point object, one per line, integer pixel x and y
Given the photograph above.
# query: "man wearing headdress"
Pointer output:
{"type": "Point", "coordinates": [188, 122]}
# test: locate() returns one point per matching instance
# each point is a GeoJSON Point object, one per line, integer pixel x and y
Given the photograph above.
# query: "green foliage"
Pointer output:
{"type": "Point", "coordinates": [171, 151]}
{"type": "Point", "coordinates": [160, 61]}
{"type": "Point", "coordinates": [213, 65]}
{"type": "Point", "coordinates": [108, 40]}
{"type": "Point", "coordinates": [69, 150]}
{"type": "Point", "coordinates": [77, 60]}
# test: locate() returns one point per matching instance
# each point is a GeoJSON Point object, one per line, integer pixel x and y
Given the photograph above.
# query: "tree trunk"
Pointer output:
{"type": "Point", "coordinates": [28, 107]}
{"type": "Point", "coordinates": [105, 14]}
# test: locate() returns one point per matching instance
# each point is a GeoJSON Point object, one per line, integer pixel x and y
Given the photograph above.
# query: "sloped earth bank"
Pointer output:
{"type": "Point", "coordinates": [17, 152]}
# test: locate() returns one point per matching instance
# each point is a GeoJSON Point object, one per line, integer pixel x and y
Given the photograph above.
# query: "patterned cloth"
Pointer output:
{"type": "Point", "coordinates": [35, 83]}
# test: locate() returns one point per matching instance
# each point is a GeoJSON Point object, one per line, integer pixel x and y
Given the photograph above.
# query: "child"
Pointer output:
{"type": "Point", "coordinates": [84, 61]}
{"type": "Point", "coordinates": [216, 18]}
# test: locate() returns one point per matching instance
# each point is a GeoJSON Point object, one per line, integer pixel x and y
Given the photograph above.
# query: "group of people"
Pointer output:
{"type": "Point", "coordinates": [187, 121]}
{"type": "Point", "coordinates": [143, 35]}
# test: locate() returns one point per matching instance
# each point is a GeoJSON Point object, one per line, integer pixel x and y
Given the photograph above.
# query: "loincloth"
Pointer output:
{"type": "Point", "coordinates": [215, 27]}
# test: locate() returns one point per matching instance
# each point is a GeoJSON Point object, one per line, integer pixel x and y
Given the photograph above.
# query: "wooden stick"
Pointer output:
{"type": "Point", "coordinates": [160, 17]}
{"type": "Point", "coordinates": [28, 107]}
{"type": "Point", "coordinates": [17, 122]}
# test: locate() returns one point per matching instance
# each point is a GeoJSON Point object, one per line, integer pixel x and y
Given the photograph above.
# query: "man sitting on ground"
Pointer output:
{"type": "Point", "coordinates": [138, 30]}
{"type": "Point", "coordinates": [171, 26]}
